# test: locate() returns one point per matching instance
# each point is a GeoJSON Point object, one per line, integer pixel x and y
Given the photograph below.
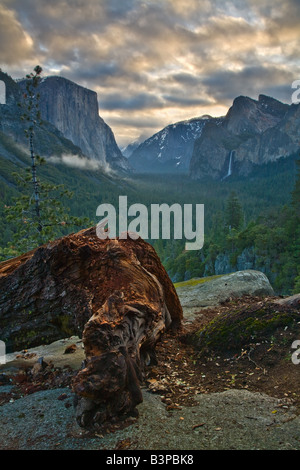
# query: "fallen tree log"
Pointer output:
{"type": "Point", "coordinates": [115, 293]}
{"type": "Point", "coordinates": [120, 337]}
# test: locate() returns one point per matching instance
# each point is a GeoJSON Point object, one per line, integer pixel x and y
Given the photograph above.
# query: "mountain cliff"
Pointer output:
{"type": "Point", "coordinates": [71, 122]}
{"type": "Point", "coordinates": [252, 133]}
{"type": "Point", "coordinates": [49, 140]}
{"type": "Point", "coordinates": [128, 149]}
{"type": "Point", "coordinates": [74, 111]}
{"type": "Point", "coordinates": [82, 176]}
{"type": "Point", "coordinates": [171, 148]}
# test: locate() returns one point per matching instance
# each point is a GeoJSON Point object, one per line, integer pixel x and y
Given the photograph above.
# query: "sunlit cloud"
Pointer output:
{"type": "Point", "coordinates": [16, 43]}
{"type": "Point", "coordinates": [156, 62]}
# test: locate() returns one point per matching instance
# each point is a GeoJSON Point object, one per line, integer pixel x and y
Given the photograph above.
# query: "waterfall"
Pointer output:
{"type": "Point", "coordinates": [229, 172]}
{"type": "Point", "coordinates": [230, 164]}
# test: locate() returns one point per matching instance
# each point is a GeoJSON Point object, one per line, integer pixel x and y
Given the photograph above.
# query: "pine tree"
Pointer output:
{"type": "Point", "coordinates": [296, 192]}
{"type": "Point", "coordinates": [296, 227]}
{"type": "Point", "coordinates": [32, 116]}
{"type": "Point", "coordinates": [233, 212]}
{"type": "Point", "coordinates": [39, 214]}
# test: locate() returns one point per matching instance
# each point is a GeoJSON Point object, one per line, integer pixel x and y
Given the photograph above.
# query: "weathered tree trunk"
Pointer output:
{"type": "Point", "coordinates": [116, 291]}
{"type": "Point", "coordinates": [119, 341]}
{"type": "Point", "coordinates": [120, 337]}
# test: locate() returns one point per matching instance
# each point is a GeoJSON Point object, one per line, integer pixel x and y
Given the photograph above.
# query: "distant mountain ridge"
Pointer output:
{"type": "Point", "coordinates": [252, 133]}
{"type": "Point", "coordinates": [171, 148]}
{"type": "Point", "coordinates": [128, 149]}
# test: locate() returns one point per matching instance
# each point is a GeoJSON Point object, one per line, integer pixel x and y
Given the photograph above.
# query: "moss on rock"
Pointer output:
{"type": "Point", "coordinates": [194, 282]}
{"type": "Point", "coordinates": [237, 329]}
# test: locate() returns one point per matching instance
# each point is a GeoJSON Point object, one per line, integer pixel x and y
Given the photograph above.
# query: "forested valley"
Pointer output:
{"type": "Point", "coordinates": [250, 222]}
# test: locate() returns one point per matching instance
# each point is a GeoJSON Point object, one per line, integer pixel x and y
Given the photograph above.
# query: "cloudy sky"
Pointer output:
{"type": "Point", "coordinates": [155, 62]}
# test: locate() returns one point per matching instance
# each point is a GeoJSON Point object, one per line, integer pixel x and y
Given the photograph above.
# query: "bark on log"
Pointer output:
{"type": "Point", "coordinates": [116, 291]}
{"type": "Point", "coordinates": [120, 337]}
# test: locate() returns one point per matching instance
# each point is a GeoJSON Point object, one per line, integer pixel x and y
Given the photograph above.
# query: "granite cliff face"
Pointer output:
{"type": "Point", "coordinates": [74, 111]}
{"type": "Point", "coordinates": [49, 140]}
{"type": "Point", "coordinates": [252, 133]}
{"type": "Point", "coordinates": [71, 122]}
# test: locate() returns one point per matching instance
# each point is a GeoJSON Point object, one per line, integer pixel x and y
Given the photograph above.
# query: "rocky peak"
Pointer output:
{"type": "Point", "coordinates": [171, 148]}
{"type": "Point", "coordinates": [253, 132]}
{"type": "Point", "coordinates": [62, 112]}
{"type": "Point", "coordinates": [74, 111]}
{"type": "Point", "coordinates": [49, 140]}
{"type": "Point", "coordinates": [248, 116]}
{"type": "Point", "coordinates": [272, 106]}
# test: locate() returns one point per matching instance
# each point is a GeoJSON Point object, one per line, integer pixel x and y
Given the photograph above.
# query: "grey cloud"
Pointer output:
{"type": "Point", "coordinates": [251, 81]}
{"type": "Point", "coordinates": [150, 54]}
{"type": "Point", "coordinates": [185, 101]}
{"type": "Point", "coordinates": [136, 102]}
{"type": "Point", "coordinates": [186, 79]}
{"type": "Point", "coordinates": [96, 71]}
{"type": "Point", "coordinates": [136, 121]}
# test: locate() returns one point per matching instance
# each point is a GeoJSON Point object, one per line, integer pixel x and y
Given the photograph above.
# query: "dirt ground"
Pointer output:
{"type": "Point", "coordinates": [264, 367]}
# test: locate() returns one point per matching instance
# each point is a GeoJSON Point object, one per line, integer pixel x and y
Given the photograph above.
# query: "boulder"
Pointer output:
{"type": "Point", "coordinates": [214, 290]}
{"type": "Point", "coordinates": [264, 327]}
